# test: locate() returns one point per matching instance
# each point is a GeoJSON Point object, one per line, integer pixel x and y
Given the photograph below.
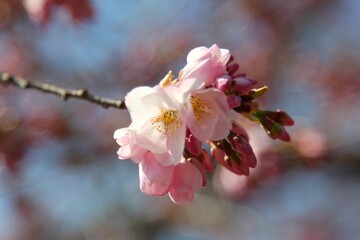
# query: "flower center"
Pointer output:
{"type": "Point", "coordinates": [200, 107]}
{"type": "Point", "coordinates": [167, 120]}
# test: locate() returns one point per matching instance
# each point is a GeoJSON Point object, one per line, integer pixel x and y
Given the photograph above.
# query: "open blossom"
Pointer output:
{"type": "Point", "coordinates": [157, 120]}
{"type": "Point", "coordinates": [207, 114]}
{"type": "Point", "coordinates": [172, 121]}
{"type": "Point", "coordinates": [204, 65]}
{"type": "Point", "coordinates": [179, 181]}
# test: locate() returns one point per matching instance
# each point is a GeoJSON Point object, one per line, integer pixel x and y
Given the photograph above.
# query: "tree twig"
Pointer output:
{"type": "Point", "coordinates": [8, 79]}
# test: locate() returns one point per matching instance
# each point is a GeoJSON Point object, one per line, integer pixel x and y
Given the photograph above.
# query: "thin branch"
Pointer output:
{"type": "Point", "coordinates": [8, 79]}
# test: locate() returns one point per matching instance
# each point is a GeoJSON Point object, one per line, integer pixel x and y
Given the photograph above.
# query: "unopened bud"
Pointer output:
{"type": "Point", "coordinates": [232, 68]}
{"type": "Point", "coordinates": [239, 130]}
{"type": "Point", "coordinates": [243, 148]}
{"type": "Point", "coordinates": [279, 116]}
{"type": "Point", "coordinates": [233, 101]}
{"type": "Point", "coordinates": [284, 118]}
{"type": "Point", "coordinates": [243, 84]}
{"type": "Point", "coordinates": [274, 129]}
{"type": "Point", "coordinates": [225, 155]}
{"type": "Point", "coordinates": [223, 83]}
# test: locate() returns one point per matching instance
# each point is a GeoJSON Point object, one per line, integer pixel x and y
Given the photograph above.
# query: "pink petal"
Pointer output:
{"type": "Point", "coordinates": [186, 177]}
{"type": "Point", "coordinates": [201, 169]}
{"type": "Point", "coordinates": [176, 143]}
{"type": "Point", "coordinates": [181, 198]}
{"type": "Point", "coordinates": [154, 178]}
{"type": "Point", "coordinates": [216, 124]}
{"type": "Point", "coordinates": [198, 54]}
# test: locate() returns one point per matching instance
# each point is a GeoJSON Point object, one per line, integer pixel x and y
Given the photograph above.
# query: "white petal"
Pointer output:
{"type": "Point", "coordinates": [138, 111]}
{"type": "Point", "coordinates": [150, 138]}
{"type": "Point", "coordinates": [225, 55]}
{"type": "Point", "coordinates": [176, 143]}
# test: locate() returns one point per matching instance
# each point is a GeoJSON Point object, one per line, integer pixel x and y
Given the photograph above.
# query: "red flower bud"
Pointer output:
{"type": "Point", "coordinates": [284, 118]}
{"type": "Point", "coordinates": [243, 84]}
{"type": "Point", "coordinates": [274, 129]}
{"type": "Point", "coordinates": [233, 101]}
{"type": "Point", "coordinates": [232, 68]}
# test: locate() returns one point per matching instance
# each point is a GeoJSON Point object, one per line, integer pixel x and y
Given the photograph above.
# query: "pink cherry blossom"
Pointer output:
{"type": "Point", "coordinates": [179, 181]}
{"type": "Point", "coordinates": [204, 65]}
{"type": "Point", "coordinates": [171, 120]}
{"type": "Point", "coordinates": [157, 120]}
{"type": "Point", "coordinates": [126, 138]}
{"type": "Point", "coordinates": [207, 114]}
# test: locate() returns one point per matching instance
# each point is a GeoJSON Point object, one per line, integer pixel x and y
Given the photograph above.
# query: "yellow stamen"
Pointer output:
{"type": "Point", "coordinates": [167, 120]}
{"type": "Point", "coordinates": [200, 107]}
{"type": "Point", "coordinates": [166, 81]}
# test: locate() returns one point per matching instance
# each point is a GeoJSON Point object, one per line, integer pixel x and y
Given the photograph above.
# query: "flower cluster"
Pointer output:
{"type": "Point", "coordinates": [173, 121]}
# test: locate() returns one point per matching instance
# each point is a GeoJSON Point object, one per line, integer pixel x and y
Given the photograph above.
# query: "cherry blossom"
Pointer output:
{"type": "Point", "coordinates": [157, 120]}
{"type": "Point", "coordinates": [205, 64]}
{"type": "Point", "coordinates": [171, 122]}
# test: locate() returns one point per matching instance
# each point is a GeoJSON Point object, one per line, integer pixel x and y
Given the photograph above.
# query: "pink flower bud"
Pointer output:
{"type": "Point", "coordinates": [243, 84]}
{"type": "Point", "coordinates": [233, 101]}
{"type": "Point", "coordinates": [232, 68]}
{"type": "Point", "coordinates": [223, 83]}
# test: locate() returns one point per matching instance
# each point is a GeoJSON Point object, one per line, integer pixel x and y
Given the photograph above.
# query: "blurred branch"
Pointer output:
{"type": "Point", "coordinates": [7, 79]}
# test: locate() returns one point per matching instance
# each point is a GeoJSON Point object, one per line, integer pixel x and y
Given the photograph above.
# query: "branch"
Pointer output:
{"type": "Point", "coordinates": [7, 79]}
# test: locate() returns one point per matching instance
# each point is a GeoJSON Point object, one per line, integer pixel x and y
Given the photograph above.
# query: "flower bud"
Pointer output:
{"type": "Point", "coordinates": [243, 84]}
{"type": "Point", "coordinates": [239, 130]}
{"type": "Point", "coordinates": [279, 116]}
{"type": "Point", "coordinates": [243, 148]}
{"type": "Point", "coordinates": [229, 158]}
{"type": "Point", "coordinates": [233, 101]}
{"type": "Point", "coordinates": [274, 129]}
{"type": "Point", "coordinates": [232, 68]}
{"type": "Point", "coordinates": [223, 83]}
{"type": "Point", "coordinates": [284, 118]}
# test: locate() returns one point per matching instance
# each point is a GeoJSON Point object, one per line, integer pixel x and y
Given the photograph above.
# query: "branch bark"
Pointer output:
{"type": "Point", "coordinates": [8, 79]}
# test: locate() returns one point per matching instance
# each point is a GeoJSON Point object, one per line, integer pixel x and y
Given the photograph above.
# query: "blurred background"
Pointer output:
{"type": "Point", "coordinates": [59, 173]}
